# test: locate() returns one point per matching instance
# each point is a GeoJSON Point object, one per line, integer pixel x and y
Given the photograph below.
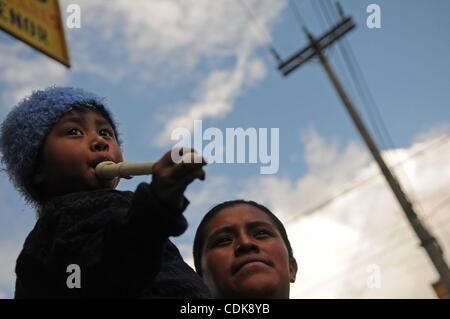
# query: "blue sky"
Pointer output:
{"type": "Point", "coordinates": [163, 63]}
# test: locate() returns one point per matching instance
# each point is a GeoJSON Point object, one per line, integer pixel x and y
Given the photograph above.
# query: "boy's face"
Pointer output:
{"type": "Point", "coordinates": [73, 148]}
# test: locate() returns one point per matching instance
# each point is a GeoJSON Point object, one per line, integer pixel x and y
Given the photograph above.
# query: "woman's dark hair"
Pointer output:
{"type": "Point", "coordinates": [199, 239]}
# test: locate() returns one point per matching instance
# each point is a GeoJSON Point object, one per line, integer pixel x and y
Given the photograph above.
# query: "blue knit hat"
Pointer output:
{"type": "Point", "coordinates": [27, 125]}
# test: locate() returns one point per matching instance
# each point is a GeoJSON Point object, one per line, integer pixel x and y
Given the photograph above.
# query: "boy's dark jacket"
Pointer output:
{"type": "Point", "coordinates": [118, 239]}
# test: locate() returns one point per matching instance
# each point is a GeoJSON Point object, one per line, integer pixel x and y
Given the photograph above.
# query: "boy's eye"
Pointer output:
{"type": "Point", "coordinates": [106, 132]}
{"type": "Point", "coordinates": [74, 131]}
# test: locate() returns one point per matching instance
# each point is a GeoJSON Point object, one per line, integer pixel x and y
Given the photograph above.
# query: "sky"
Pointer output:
{"type": "Point", "coordinates": [163, 64]}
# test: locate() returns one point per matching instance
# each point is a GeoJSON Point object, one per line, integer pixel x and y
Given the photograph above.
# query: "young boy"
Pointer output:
{"type": "Point", "coordinates": [117, 241]}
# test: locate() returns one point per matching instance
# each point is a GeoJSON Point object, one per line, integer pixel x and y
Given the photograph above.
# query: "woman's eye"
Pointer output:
{"type": "Point", "coordinates": [222, 242]}
{"type": "Point", "coordinates": [262, 233]}
{"type": "Point", "coordinates": [106, 132]}
{"type": "Point", "coordinates": [74, 131]}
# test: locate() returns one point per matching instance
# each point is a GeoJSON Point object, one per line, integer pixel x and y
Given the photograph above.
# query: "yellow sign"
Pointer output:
{"type": "Point", "coordinates": [37, 23]}
{"type": "Point", "coordinates": [440, 290]}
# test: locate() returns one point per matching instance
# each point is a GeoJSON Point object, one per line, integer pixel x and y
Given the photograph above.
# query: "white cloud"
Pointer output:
{"type": "Point", "coordinates": [322, 179]}
{"type": "Point", "coordinates": [21, 73]}
{"type": "Point", "coordinates": [174, 35]}
{"type": "Point", "coordinates": [216, 96]}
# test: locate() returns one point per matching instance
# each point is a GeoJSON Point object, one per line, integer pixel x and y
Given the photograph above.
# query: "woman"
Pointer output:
{"type": "Point", "coordinates": [241, 250]}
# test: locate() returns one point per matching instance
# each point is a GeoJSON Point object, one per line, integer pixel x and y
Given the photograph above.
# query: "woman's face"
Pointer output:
{"type": "Point", "coordinates": [244, 255]}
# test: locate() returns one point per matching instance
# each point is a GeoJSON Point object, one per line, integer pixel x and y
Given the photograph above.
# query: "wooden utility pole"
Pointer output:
{"type": "Point", "coordinates": [315, 49]}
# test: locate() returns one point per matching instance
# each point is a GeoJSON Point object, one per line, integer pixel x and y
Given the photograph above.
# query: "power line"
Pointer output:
{"type": "Point", "coordinates": [262, 30]}
{"type": "Point", "coordinates": [436, 143]}
{"type": "Point", "coordinates": [378, 116]}
{"type": "Point", "coordinates": [367, 259]}
{"type": "Point", "coordinates": [369, 104]}
{"type": "Point", "coordinates": [297, 15]}
{"type": "Point", "coordinates": [394, 231]}
{"type": "Point", "coordinates": [400, 238]}
{"type": "Point", "coordinates": [357, 251]}
{"type": "Point", "coordinates": [438, 208]}
{"type": "Point", "coordinates": [406, 268]}
{"type": "Point", "coordinates": [356, 82]}
{"type": "Point", "coordinates": [403, 239]}
{"type": "Point", "coordinates": [320, 16]}
{"type": "Point", "coordinates": [315, 48]}
{"type": "Point", "coordinates": [342, 272]}
{"type": "Point", "coordinates": [264, 34]}
{"type": "Point", "coordinates": [396, 236]}
{"type": "Point", "coordinates": [357, 78]}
